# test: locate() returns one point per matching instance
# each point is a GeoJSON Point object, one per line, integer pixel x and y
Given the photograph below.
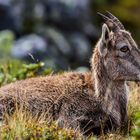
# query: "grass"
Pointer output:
{"type": "Point", "coordinates": [23, 126]}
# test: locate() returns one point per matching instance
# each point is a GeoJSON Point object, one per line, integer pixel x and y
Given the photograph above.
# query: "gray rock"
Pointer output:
{"type": "Point", "coordinates": [5, 2]}
{"type": "Point", "coordinates": [67, 13]}
{"type": "Point", "coordinates": [58, 46]}
{"type": "Point", "coordinates": [81, 46]}
{"type": "Point", "coordinates": [29, 45]}
{"type": "Point", "coordinates": [56, 63]}
{"type": "Point", "coordinates": [82, 69]}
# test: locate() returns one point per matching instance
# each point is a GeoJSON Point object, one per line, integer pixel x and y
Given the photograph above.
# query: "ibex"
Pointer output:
{"type": "Point", "coordinates": [91, 102]}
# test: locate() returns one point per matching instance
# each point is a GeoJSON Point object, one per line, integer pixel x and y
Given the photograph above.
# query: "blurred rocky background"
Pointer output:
{"type": "Point", "coordinates": [60, 33]}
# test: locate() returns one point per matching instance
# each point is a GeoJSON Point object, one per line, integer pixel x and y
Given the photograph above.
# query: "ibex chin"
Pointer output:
{"type": "Point", "coordinates": [91, 102]}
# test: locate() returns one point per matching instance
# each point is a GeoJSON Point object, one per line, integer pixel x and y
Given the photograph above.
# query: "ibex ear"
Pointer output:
{"type": "Point", "coordinates": [105, 33]}
{"type": "Point", "coordinates": [104, 40]}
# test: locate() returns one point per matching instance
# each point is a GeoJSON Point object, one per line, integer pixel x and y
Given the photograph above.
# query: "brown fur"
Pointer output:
{"type": "Point", "coordinates": [87, 101]}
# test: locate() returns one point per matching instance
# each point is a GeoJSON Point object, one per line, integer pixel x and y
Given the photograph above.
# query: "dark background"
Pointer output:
{"type": "Point", "coordinates": [60, 33]}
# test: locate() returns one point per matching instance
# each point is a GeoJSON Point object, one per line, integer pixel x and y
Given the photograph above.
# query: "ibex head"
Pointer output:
{"type": "Point", "coordinates": [119, 50]}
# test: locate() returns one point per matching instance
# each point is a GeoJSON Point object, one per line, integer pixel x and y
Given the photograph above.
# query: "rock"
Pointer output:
{"type": "Point", "coordinates": [5, 2]}
{"type": "Point", "coordinates": [67, 13]}
{"type": "Point", "coordinates": [81, 46]}
{"type": "Point", "coordinates": [30, 46]}
{"type": "Point", "coordinates": [7, 20]}
{"type": "Point", "coordinates": [63, 29]}
{"type": "Point", "coordinates": [82, 69]}
{"type": "Point", "coordinates": [58, 44]}
{"type": "Point", "coordinates": [56, 63]}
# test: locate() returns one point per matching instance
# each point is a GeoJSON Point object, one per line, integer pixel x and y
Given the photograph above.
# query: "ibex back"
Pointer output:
{"type": "Point", "coordinates": [89, 101]}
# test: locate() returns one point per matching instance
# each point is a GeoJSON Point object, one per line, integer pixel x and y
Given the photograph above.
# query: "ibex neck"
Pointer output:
{"type": "Point", "coordinates": [103, 84]}
{"type": "Point", "coordinates": [105, 87]}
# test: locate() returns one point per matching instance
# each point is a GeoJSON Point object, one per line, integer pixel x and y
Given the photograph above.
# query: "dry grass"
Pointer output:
{"type": "Point", "coordinates": [23, 126]}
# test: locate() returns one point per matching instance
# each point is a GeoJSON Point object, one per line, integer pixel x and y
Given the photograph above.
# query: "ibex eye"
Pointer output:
{"type": "Point", "coordinates": [124, 49]}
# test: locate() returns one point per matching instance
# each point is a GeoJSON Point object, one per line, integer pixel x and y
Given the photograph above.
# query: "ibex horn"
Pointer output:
{"type": "Point", "coordinates": [113, 23]}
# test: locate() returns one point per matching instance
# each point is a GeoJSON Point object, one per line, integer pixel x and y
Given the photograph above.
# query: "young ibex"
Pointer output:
{"type": "Point", "coordinates": [92, 101]}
